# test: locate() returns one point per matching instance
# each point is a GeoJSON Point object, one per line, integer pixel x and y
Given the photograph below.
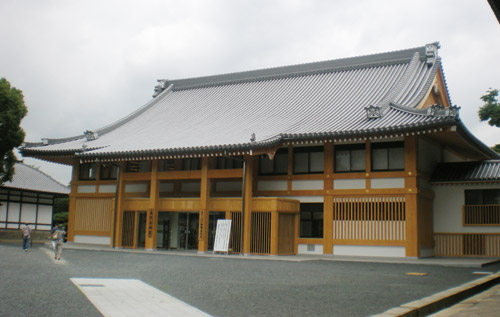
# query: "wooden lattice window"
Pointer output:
{"type": "Point", "coordinates": [482, 207]}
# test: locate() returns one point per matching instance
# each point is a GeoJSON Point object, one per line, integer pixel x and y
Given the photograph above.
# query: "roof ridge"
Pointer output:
{"type": "Point", "coordinates": [369, 60]}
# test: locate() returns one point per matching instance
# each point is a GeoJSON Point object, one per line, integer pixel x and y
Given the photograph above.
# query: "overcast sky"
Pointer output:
{"type": "Point", "coordinates": [84, 64]}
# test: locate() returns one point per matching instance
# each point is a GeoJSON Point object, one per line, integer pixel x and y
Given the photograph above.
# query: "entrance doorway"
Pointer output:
{"type": "Point", "coordinates": [134, 229]}
{"type": "Point", "coordinates": [177, 230]}
{"type": "Point", "coordinates": [212, 227]}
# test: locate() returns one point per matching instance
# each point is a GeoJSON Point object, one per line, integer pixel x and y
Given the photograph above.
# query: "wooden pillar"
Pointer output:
{"type": "Point", "coordinates": [247, 218]}
{"type": "Point", "coordinates": [274, 232]}
{"type": "Point", "coordinates": [72, 202]}
{"type": "Point", "coordinates": [328, 200]}
{"type": "Point", "coordinates": [203, 212]}
{"type": "Point", "coordinates": [152, 213]}
{"type": "Point", "coordinates": [119, 201]}
{"type": "Point", "coordinates": [411, 201]}
{"type": "Point", "coordinates": [368, 165]}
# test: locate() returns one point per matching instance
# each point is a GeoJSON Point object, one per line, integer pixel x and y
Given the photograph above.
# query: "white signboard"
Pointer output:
{"type": "Point", "coordinates": [222, 233]}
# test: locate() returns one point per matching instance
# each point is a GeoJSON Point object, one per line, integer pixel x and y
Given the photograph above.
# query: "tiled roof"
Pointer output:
{"type": "Point", "coordinates": [495, 7]}
{"type": "Point", "coordinates": [29, 178]}
{"type": "Point", "coordinates": [220, 113]}
{"type": "Point", "coordinates": [463, 172]}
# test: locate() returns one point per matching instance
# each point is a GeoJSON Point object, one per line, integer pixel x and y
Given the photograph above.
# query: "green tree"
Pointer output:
{"type": "Point", "coordinates": [491, 109]}
{"type": "Point", "coordinates": [496, 148]}
{"type": "Point", "coordinates": [12, 111]}
{"type": "Point", "coordinates": [61, 206]}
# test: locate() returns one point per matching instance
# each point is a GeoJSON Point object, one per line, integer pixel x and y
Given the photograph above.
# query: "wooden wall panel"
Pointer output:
{"type": "Point", "coordinates": [467, 244]}
{"type": "Point", "coordinates": [369, 218]}
{"type": "Point", "coordinates": [93, 215]}
{"type": "Point", "coordinates": [286, 234]}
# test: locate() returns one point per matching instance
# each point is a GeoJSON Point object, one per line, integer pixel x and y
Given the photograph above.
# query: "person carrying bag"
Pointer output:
{"type": "Point", "coordinates": [26, 230]}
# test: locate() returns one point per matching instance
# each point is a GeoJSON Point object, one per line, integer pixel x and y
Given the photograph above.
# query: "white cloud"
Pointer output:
{"type": "Point", "coordinates": [85, 64]}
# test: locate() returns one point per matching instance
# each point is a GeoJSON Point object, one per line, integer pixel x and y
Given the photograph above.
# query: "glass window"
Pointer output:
{"type": "Point", "coordinates": [396, 158]}
{"type": "Point", "coordinates": [108, 171]}
{"type": "Point", "coordinates": [388, 156]}
{"type": "Point", "coordinates": [358, 160]}
{"type": "Point", "coordinates": [138, 166]}
{"type": "Point", "coordinates": [266, 165]}
{"type": "Point", "coordinates": [229, 162]}
{"type": "Point", "coordinates": [300, 163]}
{"type": "Point", "coordinates": [316, 162]}
{"type": "Point", "coordinates": [308, 160]}
{"type": "Point", "coordinates": [278, 166]}
{"type": "Point", "coordinates": [88, 171]}
{"type": "Point", "coordinates": [482, 197]}
{"type": "Point", "coordinates": [281, 162]}
{"type": "Point", "coordinates": [311, 220]}
{"type": "Point", "coordinates": [350, 158]}
{"type": "Point", "coordinates": [167, 165]}
{"type": "Point", "coordinates": [491, 196]}
{"type": "Point", "coordinates": [191, 164]}
{"type": "Point", "coordinates": [380, 160]}
{"type": "Point", "coordinates": [187, 164]}
{"type": "Point", "coordinates": [342, 161]}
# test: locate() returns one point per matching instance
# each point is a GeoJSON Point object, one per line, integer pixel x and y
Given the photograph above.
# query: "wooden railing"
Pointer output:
{"type": "Point", "coordinates": [235, 238]}
{"type": "Point", "coordinates": [260, 241]}
{"type": "Point", "coordinates": [376, 218]}
{"type": "Point", "coordinates": [481, 215]}
{"type": "Point", "coordinates": [467, 244]}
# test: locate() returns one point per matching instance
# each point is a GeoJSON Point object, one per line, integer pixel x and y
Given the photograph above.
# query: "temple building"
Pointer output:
{"type": "Point", "coordinates": [355, 156]}
{"type": "Point", "coordinates": [29, 198]}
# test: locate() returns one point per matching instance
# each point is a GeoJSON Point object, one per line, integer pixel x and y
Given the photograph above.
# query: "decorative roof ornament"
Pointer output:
{"type": "Point", "coordinates": [438, 110]}
{"type": "Point", "coordinates": [162, 85]}
{"type": "Point", "coordinates": [252, 137]}
{"type": "Point", "coordinates": [434, 109]}
{"type": "Point", "coordinates": [431, 53]}
{"type": "Point", "coordinates": [452, 111]}
{"type": "Point", "coordinates": [91, 135]}
{"type": "Point", "coordinates": [373, 112]}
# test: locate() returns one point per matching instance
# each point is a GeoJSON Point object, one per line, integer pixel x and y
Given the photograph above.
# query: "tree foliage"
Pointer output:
{"type": "Point", "coordinates": [491, 109]}
{"type": "Point", "coordinates": [12, 111]}
{"type": "Point", "coordinates": [496, 148]}
{"type": "Point", "coordinates": [61, 205]}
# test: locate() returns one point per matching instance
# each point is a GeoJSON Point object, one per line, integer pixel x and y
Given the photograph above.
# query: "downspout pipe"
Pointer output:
{"type": "Point", "coordinates": [113, 239]}
{"type": "Point", "coordinates": [243, 192]}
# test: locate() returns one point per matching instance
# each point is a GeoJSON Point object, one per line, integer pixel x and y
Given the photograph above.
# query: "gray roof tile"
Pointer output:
{"type": "Point", "coordinates": [29, 178]}
{"type": "Point", "coordinates": [482, 171]}
{"type": "Point", "coordinates": [221, 112]}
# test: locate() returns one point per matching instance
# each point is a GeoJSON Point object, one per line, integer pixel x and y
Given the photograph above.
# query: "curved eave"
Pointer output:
{"type": "Point", "coordinates": [56, 194]}
{"type": "Point", "coordinates": [468, 182]}
{"type": "Point", "coordinates": [480, 146]}
{"type": "Point", "coordinates": [258, 147]}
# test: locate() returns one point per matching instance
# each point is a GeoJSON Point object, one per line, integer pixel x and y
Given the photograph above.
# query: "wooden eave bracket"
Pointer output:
{"type": "Point", "coordinates": [269, 151]}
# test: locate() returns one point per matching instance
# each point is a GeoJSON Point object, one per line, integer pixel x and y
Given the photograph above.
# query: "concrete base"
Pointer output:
{"type": "Point", "coordinates": [436, 302]}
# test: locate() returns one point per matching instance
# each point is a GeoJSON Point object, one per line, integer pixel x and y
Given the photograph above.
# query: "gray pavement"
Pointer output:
{"type": "Point", "coordinates": [227, 285]}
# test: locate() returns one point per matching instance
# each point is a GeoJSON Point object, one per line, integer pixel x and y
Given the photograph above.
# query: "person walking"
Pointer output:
{"type": "Point", "coordinates": [26, 230]}
{"type": "Point", "coordinates": [53, 237]}
{"type": "Point", "coordinates": [57, 237]}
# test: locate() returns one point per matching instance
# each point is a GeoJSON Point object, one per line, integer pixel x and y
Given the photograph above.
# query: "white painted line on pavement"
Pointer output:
{"type": "Point", "coordinates": [130, 297]}
{"type": "Point", "coordinates": [52, 255]}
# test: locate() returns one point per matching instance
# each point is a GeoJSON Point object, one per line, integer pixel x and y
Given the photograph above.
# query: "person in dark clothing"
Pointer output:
{"type": "Point", "coordinates": [26, 230]}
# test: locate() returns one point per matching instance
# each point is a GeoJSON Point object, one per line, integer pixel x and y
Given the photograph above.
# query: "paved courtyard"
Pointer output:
{"type": "Point", "coordinates": [33, 284]}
